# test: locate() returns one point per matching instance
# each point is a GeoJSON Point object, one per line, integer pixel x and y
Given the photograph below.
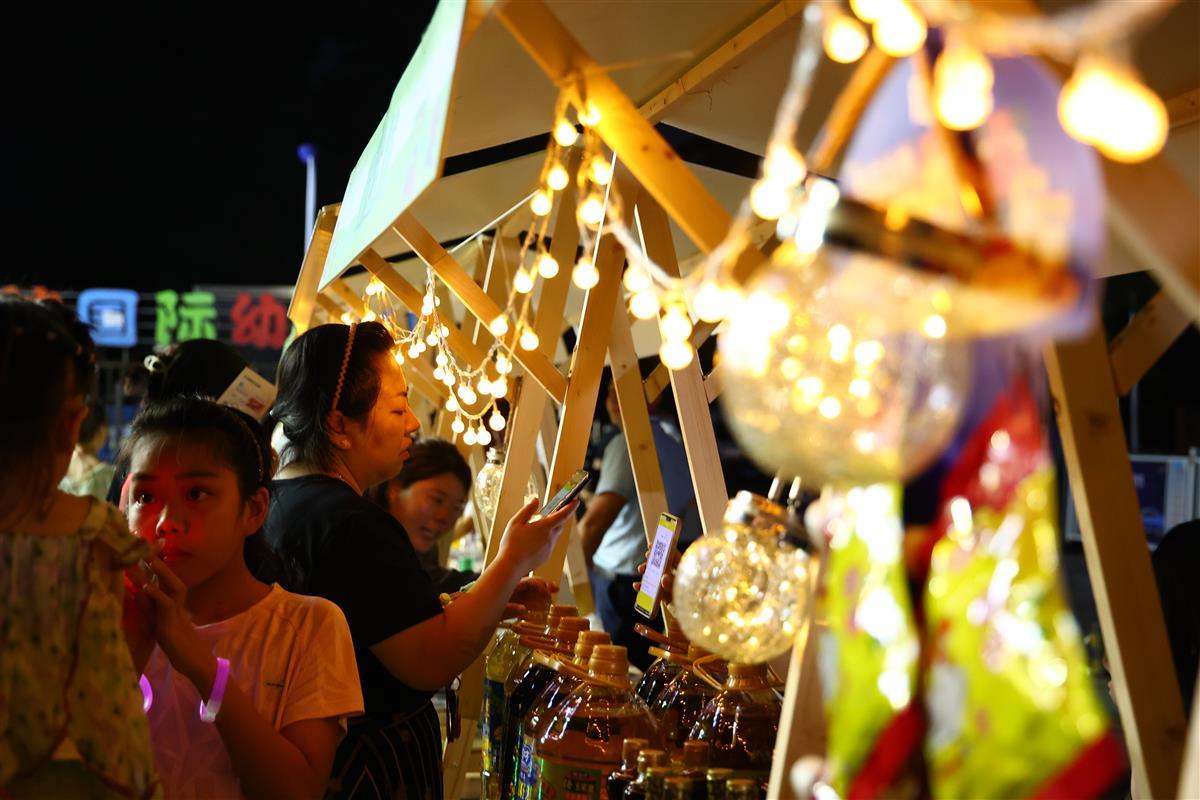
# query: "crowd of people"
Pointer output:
{"type": "Point", "coordinates": [241, 621]}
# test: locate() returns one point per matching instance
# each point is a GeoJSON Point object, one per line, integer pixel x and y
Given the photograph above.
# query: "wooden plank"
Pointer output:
{"type": "Point", "coordinates": [1154, 211]}
{"type": "Point", "coordinates": [691, 397]}
{"type": "Point", "coordinates": [714, 382]}
{"type": "Point", "coordinates": [304, 296]}
{"type": "Point", "coordinates": [847, 110]}
{"type": "Point", "coordinates": [331, 308]}
{"type": "Point", "coordinates": [476, 301]}
{"type": "Point", "coordinates": [1183, 109]}
{"type": "Point", "coordinates": [722, 58]}
{"type": "Point", "coordinates": [802, 723]}
{"type": "Point", "coordinates": [1143, 341]}
{"type": "Point", "coordinates": [587, 362]}
{"type": "Point", "coordinates": [1118, 560]}
{"type": "Point", "coordinates": [653, 162]}
{"type": "Point", "coordinates": [347, 296]}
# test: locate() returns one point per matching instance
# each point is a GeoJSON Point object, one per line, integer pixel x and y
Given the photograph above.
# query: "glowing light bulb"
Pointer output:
{"type": "Point", "coordinates": [496, 421]}
{"type": "Point", "coordinates": [591, 210]}
{"type": "Point", "coordinates": [830, 407]}
{"type": "Point", "coordinates": [589, 115]}
{"type": "Point", "coordinates": [823, 194]}
{"type": "Point", "coordinates": [469, 438]}
{"type": "Point", "coordinates": [565, 133]}
{"type": "Point", "coordinates": [503, 364]}
{"type": "Point", "coordinates": [1114, 112]}
{"type": "Point", "coordinates": [643, 305]}
{"type": "Point", "coordinates": [399, 356]}
{"type": "Point", "coordinates": [557, 178]}
{"type": "Point", "coordinates": [708, 303]}
{"type": "Point", "coordinates": [600, 170]}
{"type": "Point", "coordinates": [449, 379]}
{"type": "Point", "coordinates": [523, 282]}
{"type": "Point", "coordinates": [675, 324]}
{"type": "Point", "coordinates": [845, 39]}
{"type": "Point", "coordinates": [541, 203]}
{"type": "Point", "coordinates": [866, 353]}
{"type": "Point", "coordinates": [441, 360]}
{"type": "Point", "coordinates": [457, 426]}
{"type": "Point", "coordinates": [414, 351]}
{"type": "Point", "coordinates": [636, 279]}
{"type": "Point", "coordinates": [439, 373]}
{"type": "Point", "coordinates": [374, 287]}
{"type": "Point", "coordinates": [499, 388]}
{"type": "Point", "coordinates": [869, 10]}
{"type": "Point", "coordinates": [529, 339]}
{"type": "Point", "coordinates": [963, 79]}
{"type": "Point", "coordinates": [483, 385]}
{"type": "Point", "coordinates": [482, 436]}
{"type": "Point", "coordinates": [784, 165]}
{"type": "Point", "coordinates": [547, 266]}
{"type": "Point", "coordinates": [347, 318]}
{"type": "Point", "coordinates": [934, 326]}
{"type": "Point", "coordinates": [444, 331]}
{"type": "Point", "coordinates": [452, 404]}
{"type": "Point", "coordinates": [430, 340]}
{"type": "Point", "coordinates": [676, 355]}
{"type": "Point", "coordinates": [370, 316]}
{"type": "Point", "coordinates": [900, 31]}
{"type": "Point", "coordinates": [585, 275]}
{"type": "Point", "coordinates": [499, 326]}
{"type": "Point", "coordinates": [466, 394]}
{"type": "Point", "coordinates": [769, 198]}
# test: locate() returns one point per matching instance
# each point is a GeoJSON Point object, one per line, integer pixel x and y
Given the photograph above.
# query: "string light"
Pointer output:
{"type": "Point", "coordinates": [589, 115]}
{"type": "Point", "coordinates": [547, 266]}
{"type": "Point", "coordinates": [496, 421]}
{"type": "Point", "coordinates": [768, 198]}
{"type": "Point", "coordinates": [375, 287]}
{"type": "Point", "coordinates": [482, 436]}
{"type": "Point", "coordinates": [585, 275]}
{"type": "Point", "coordinates": [541, 203]}
{"type": "Point", "coordinates": [347, 318]}
{"type": "Point", "coordinates": [636, 279]}
{"type": "Point", "coordinates": [675, 324]}
{"type": "Point", "coordinates": [499, 326]}
{"type": "Point", "coordinates": [784, 165]}
{"type": "Point", "coordinates": [643, 305]}
{"type": "Point", "coordinates": [529, 339]}
{"type": "Point", "coordinates": [565, 133]}
{"type": "Point", "coordinates": [466, 394]}
{"type": "Point", "coordinates": [1113, 111]}
{"type": "Point", "coordinates": [503, 364]}
{"type": "Point", "coordinates": [441, 359]}
{"type": "Point", "coordinates": [523, 282]}
{"type": "Point", "coordinates": [845, 39]}
{"type": "Point", "coordinates": [457, 426]}
{"type": "Point", "coordinates": [399, 356]}
{"type": "Point", "coordinates": [499, 388]}
{"type": "Point", "coordinates": [591, 210]}
{"type": "Point", "coordinates": [868, 10]}
{"type": "Point", "coordinates": [708, 302]}
{"type": "Point", "coordinates": [452, 404]}
{"type": "Point", "coordinates": [557, 178]}
{"type": "Point", "coordinates": [600, 170]}
{"type": "Point", "coordinates": [676, 355]}
{"type": "Point", "coordinates": [900, 30]}
{"type": "Point", "coordinates": [934, 326]}
{"type": "Point", "coordinates": [483, 385]}
{"type": "Point", "coordinates": [469, 438]}
{"type": "Point", "coordinates": [962, 79]}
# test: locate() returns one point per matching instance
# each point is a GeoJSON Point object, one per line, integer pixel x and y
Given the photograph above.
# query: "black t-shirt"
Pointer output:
{"type": "Point", "coordinates": [338, 545]}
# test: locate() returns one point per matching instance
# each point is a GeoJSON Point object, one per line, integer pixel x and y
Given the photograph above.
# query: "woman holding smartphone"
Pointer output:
{"type": "Point", "coordinates": [343, 403]}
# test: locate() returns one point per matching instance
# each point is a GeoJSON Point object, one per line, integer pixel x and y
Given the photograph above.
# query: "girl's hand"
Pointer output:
{"type": "Point", "coordinates": [173, 630]}
{"type": "Point", "coordinates": [667, 584]}
{"type": "Point", "coordinates": [527, 544]}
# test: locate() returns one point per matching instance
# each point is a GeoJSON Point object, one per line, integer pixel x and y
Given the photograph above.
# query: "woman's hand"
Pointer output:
{"type": "Point", "coordinates": [668, 577]}
{"type": "Point", "coordinates": [174, 632]}
{"type": "Point", "coordinates": [526, 544]}
{"type": "Point", "coordinates": [527, 590]}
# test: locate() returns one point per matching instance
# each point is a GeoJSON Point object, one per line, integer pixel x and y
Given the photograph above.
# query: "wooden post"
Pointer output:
{"type": "Point", "coordinates": [1143, 341]}
{"type": "Point", "coordinates": [304, 296]}
{"type": "Point", "coordinates": [1118, 559]}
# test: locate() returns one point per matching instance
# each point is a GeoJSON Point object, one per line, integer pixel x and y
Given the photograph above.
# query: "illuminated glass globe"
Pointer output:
{"type": "Point", "coordinates": [742, 593]}
{"type": "Point", "coordinates": [835, 391]}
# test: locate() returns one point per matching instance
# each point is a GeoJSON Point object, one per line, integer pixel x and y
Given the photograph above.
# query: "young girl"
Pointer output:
{"type": "Point", "coordinates": [252, 685]}
{"type": "Point", "coordinates": [71, 721]}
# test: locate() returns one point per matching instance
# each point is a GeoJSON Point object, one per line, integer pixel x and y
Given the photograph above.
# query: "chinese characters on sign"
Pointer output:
{"type": "Point", "coordinates": [181, 317]}
{"type": "Point", "coordinates": [259, 322]}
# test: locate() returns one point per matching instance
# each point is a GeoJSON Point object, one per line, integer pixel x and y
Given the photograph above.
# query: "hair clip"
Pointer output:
{"type": "Point", "coordinates": [154, 364]}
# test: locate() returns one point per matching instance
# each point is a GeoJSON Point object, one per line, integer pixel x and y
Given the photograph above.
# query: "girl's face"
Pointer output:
{"type": "Point", "coordinates": [378, 446]}
{"type": "Point", "coordinates": [428, 509]}
{"type": "Point", "coordinates": [183, 493]}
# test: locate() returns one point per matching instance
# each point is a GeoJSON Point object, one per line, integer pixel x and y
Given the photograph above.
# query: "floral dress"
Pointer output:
{"type": "Point", "coordinates": [66, 676]}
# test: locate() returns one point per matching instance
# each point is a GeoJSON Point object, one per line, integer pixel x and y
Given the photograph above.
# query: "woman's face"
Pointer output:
{"type": "Point", "coordinates": [379, 444]}
{"type": "Point", "coordinates": [428, 509]}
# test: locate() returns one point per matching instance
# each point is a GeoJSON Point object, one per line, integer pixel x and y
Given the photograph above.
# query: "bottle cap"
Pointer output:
{"type": "Point", "coordinates": [586, 642]}
{"type": "Point", "coordinates": [680, 788]}
{"type": "Point", "coordinates": [651, 758]}
{"type": "Point", "coordinates": [659, 771]}
{"type": "Point", "coordinates": [718, 773]}
{"type": "Point", "coordinates": [695, 754]}
{"type": "Point", "coordinates": [573, 624]}
{"type": "Point", "coordinates": [747, 670]}
{"type": "Point", "coordinates": [609, 660]}
{"type": "Point", "coordinates": [631, 748]}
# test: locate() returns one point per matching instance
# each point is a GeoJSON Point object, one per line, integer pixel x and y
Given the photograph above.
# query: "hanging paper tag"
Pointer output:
{"type": "Point", "coordinates": [251, 393]}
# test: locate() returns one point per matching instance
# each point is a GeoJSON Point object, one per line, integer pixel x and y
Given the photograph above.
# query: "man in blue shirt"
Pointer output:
{"type": "Point", "coordinates": [613, 534]}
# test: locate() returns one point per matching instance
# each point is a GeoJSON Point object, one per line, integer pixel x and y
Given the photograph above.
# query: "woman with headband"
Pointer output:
{"type": "Point", "coordinates": [343, 403]}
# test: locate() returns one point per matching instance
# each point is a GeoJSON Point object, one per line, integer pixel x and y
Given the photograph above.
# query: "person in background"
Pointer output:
{"type": "Point", "coordinates": [87, 475]}
{"type": "Point", "coordinates": [428, 498]}
{"type": "Point", "coordinates": [613, 532]}
{"type": "Point", "coordinates": [61, 558]}
{"type": "Point", "coordinates": [250, 685]}
{"type": "Point", "coordinates": [343, 402]}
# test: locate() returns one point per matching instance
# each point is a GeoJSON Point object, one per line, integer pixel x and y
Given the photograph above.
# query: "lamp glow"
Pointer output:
{"type": "Point", "coordinates": [585, 275]}
{"type": "Point", "coordinates": [643, 305]}
{"type": "Point", "coordinates": [900, 31]}
{"type": "Point", "coordinates": [768, 198]}
{"type": "Point", "coordinates": [963, 79]}
{"type": "Point", "coordinates": [1113, 111]}
{"type": "Point", "coordinates": [708, 303]}
{"type": "Point", "coordinates": [529, 340]}
{"type": "Point", "coordinates": [675, 324]}
{"type": "Point", "coordinates": [557, 178]}
{"type": "Point", "coordinates": [547, 266]}
{"type": "Point", "coordinates": [591, 210]}
{"type": "Point", "coordinates": [496, 421]}
{"type": "Point", "coordinates": [499, 326]}
{"type": "Point", "coordinates": [600, 170]}
{"type": "Point", "coordinates": [523, 282]}
{"type": "Point", "coordinates": [565, 133]}
{"type": "Point", "coordinates": [845, 39]}
{"type": "Point", "coordinates": [541, 203]}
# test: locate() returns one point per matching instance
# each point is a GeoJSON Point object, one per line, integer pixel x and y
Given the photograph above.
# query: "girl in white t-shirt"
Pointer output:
{"type": "Point", "coordinates": [249, 686]}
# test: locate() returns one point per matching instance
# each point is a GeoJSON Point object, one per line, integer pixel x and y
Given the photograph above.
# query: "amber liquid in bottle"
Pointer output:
{"type": "Point", "coordinates": [582, 744]}
{"type": "Point", "coordinates": [628, 772]}
{"type": "Point", "coordinates": [664, 668]}
{"type": "Point", "coordinates": [679, 706]}
{"type": "Point", "coordinates": [740, 724]}
{"type": "Point", "coordinates": [716, 780]}
{"type": "Point", "coordinates": [636, 790]}
{"type": "Point", "coordinates": [656, 782]}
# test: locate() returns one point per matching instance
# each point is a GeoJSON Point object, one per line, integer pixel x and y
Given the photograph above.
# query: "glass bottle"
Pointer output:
{"type": "Point", "coordinates": [628, 772]}
{"type": "Point", "coordinates": [742, 789]}
{"type": "Point", "coordinates": [487, 484]}
{"type": "Point", "coordinates": [679, 704]}
{"type": "Point", "coordinates": [672, 659]}
{"type": "Point", "coordinates": [566, 678]}
{"type": "Point", "coordinates": [695, 760]}
{"type": "Point", "coordinates": [538, 672]}
{"type": "Point", "coordinates": [656, 782]}
{"type": "Point", "coordinates": [743, 593]}
{"type": "Point", "coordinates": [684, 788]}
{"type": "Point", "coordinates": [740, 723]}
{"type": "Point", "coordinates": [502, 659]}
{"type": "Point", "coordinates": [646, 759]}
{"type": "Point", "coordinates": [582, 744]}
{"type": "Point", "coordinates": [716, 780]}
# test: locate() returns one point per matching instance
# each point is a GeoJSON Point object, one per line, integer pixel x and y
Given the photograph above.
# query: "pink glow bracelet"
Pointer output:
{"type": "Point", "coordinates": [147, 693]}
{"type": "Point", "coordinates": [209, 710]}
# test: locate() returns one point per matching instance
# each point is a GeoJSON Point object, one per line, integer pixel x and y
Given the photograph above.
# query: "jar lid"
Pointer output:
{"type": "Point", "coordinates": [747, 670]}
{"type": "Point", "coordinates": [587, 641]}
{"type": "Point", "coordinates": [764, 516]}
{"type": "Point", "coordinates": [609, 660]}
{"type": "Point", "coordinates": [695, 754]}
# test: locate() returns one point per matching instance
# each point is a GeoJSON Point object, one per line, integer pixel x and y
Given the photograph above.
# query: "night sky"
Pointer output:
{"type": "Point", "coordinates": [157, 149]}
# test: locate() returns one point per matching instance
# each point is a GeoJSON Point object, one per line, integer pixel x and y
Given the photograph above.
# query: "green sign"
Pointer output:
{"type": "Point", "coordinates": [405, 155]}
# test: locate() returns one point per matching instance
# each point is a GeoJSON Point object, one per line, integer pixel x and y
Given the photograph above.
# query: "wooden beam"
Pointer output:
{"type": "Point", "coordinates": [1154, 211]}
{"type": "Point", "coordinates": [347, 296]}
{"type": "Point", "coordinates": [1143, 341]}
{"type": "Point", "coordinates": [802, 722]}
{"type": "Point", "coordinates": [714, 382]}
{"type": "Point", "coordinates": [1183, 109]}
{"type": "Point", "coordinates": [653, 162]}
{"type": "Point", "coordinates": [1118, 560]}
{"type": "Point", "coordinates": [722, 58]}
{"type": "Point", "coordinates": [691, 398]}
{"type": "Point", "coordinates": [847, 110]}
{"type": "Point", "coordinates": [329, 307]}
{"type": "Point", "coordinates": [477, 302]}
{"type": "Point", "coordinates": [304, 301]}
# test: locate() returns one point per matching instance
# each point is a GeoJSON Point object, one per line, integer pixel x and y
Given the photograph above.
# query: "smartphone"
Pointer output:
{"type": "Point", "coordinates": [569, 491]}
{"type": "Point", "coordinates": [665, 539]}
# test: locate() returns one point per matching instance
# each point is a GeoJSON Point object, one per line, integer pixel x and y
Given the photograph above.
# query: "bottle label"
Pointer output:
{"type": "Point", "coordinates": [529, 769]}
{"type": "Point", "coordinates": [563, 779]}
{"type": "Point", "coordinates": [494, 705]}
